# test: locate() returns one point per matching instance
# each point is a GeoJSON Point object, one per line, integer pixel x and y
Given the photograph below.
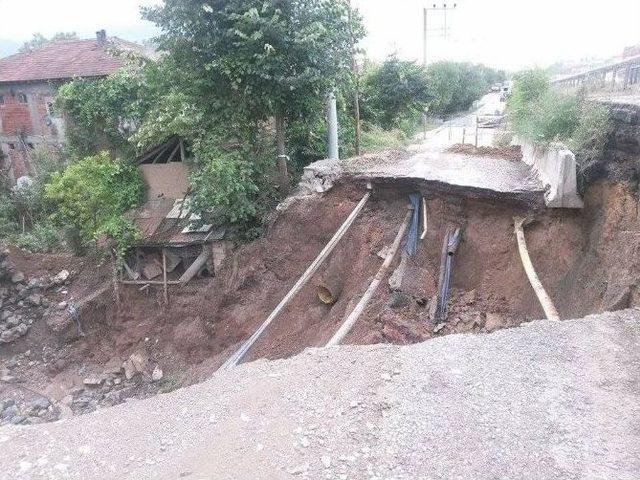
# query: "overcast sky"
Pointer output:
{"type": "Point", "coordinates": [503, 33]}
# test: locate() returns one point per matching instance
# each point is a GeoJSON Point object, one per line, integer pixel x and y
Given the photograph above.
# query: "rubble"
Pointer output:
{"type": "Point", "coordinates": [157, 374]}
{"type": "Point", "coordinates": [23, 301]}
{"type": "Point", "coordinates": [137, 363]}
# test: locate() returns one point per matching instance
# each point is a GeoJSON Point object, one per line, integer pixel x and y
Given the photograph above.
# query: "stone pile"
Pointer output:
{"type": "Point", "coordinates": [23, 301]}
{"type": "Point", "coordinates": [136, 377]}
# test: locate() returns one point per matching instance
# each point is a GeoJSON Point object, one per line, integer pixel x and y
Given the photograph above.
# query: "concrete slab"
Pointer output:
{"type": "Point", "coordinates": [429, 162]}
{"type": "Point", "coordinates": [492, 176]}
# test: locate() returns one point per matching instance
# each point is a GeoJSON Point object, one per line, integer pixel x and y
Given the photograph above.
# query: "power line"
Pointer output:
{"type": "Point", "coordinates": [444, 8]}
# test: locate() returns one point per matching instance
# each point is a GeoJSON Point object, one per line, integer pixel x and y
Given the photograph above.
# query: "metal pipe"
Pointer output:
{"type": "Point", "coordinates": [322, 256]}
{"type": "Point", "coordinates": [451, 243]}
{"type": "Point", "coordinates": [348, 324]}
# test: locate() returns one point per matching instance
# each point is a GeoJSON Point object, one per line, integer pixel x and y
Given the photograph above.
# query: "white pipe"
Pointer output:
{"type": "Point", "coordinates": [547, 305]}
{"type": "Point", "coordinates": [242, 351]}
{"type": "Point", "coordinates": [348, 324]}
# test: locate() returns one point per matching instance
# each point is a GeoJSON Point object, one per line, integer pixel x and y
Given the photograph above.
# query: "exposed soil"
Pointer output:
{"type": "Point", "coordinates": [578, 256]}
{"type": "Point", "coordinates": [511, 152]}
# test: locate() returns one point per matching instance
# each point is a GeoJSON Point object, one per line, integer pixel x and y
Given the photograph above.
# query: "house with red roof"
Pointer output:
{"type": "Point", "coordinates": [28, 85]}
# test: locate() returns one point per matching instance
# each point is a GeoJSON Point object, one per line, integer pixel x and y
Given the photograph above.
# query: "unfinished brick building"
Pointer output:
{"type": "Point", "coordinates": [28, 85]}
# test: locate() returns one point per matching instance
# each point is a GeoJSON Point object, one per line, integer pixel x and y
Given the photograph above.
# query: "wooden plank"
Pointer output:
{"type": "Point", "coordinates": [149, 282]}
{"type": "Point", "coordinates": [173, 153]}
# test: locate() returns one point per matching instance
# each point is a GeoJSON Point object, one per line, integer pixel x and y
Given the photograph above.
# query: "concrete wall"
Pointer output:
{"type": "Point", "coordinates": [165, 180]}
{"type": "Point", "coordinates": [556, 168]}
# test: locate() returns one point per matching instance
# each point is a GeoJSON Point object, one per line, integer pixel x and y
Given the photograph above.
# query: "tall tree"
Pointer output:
{"type": "Point", "coordinates": [261, 59]}
{"type": "Point", "coordinates": [38, 40]}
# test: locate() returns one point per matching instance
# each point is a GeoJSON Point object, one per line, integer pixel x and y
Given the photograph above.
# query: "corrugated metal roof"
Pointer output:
{"type": "Point", "coordinates": [159, 230]}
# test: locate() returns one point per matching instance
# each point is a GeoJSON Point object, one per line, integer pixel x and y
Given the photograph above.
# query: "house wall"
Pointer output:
{"type": "Point", "coordinates": [24, 125]}
{"type": "Point", "coordinates": [165, 180]}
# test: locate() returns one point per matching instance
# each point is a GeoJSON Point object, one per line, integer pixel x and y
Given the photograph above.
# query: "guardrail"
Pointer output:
{"type": "Point", "coordinates": [618, 76]}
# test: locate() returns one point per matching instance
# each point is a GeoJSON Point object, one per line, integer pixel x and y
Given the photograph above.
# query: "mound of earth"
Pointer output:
{"type": "Point", "coordinates": [510, 152]}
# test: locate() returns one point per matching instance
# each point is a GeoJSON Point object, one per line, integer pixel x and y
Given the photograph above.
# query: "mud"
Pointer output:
{"type": "Point", "coordinates": [577, 255]}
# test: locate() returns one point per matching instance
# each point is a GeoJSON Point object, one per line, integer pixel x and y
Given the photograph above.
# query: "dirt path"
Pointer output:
{"type": "Point", "coordinates": [547, 400]}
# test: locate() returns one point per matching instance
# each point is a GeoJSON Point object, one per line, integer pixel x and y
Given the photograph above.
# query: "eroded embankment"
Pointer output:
{"type": "Point", "coordinates": [586, 260]}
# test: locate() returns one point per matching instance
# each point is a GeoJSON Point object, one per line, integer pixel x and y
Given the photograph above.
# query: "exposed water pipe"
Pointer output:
{"type": "Point", "coordinates": [348, 324]}
{"type": "Point", "coordinates": [322, 256]}
{"type": "Point", "coordinates": [547, 305]}
{"type": "Point", "coordinates": [424, 219]}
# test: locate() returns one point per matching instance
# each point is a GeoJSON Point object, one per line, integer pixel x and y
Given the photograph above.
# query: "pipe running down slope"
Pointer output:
{"type": "Point", "coordinates": [547, 305]}
{"type": "Point", "coordinates": [348, 324]}
{"type": "Point", "coordinates": [234, 359]}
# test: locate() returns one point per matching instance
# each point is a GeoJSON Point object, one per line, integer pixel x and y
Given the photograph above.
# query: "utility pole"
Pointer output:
{"type": "Point", "coordinates": [440, 32]}
{"type": "Point", "coordinates": [356, 86]}
{"type": "Point", "coordinates": [424, 36]}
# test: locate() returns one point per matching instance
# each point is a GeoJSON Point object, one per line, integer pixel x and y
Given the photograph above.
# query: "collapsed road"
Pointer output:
{"type": "Point", "coordinates": [550, 397]}
{"type": "Point", "coordinates": [502, 405]}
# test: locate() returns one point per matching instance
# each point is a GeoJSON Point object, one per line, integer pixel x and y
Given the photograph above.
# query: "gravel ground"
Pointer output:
{"type": "Point", "coordinates": [546, 400]}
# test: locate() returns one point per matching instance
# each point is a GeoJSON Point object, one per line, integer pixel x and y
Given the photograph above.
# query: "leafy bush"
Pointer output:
{"type": "Point", "coordinates": [543, 115]}
{"type": "Point", "coordinates": [28, 199]}
{"type": "Point", "coordinates": [42, 238]}
{"type": "Point", "coordinates": [593, 131]}
{"type": "Point", "coordinates": [503, 139]}
{"type": "Point", "coordinates": [94, 193]}
{"type": "Point", "coordinates": [224, 185]}
{"type": "Point", "coordinates": [528, 87]}
{"type": "Point", "coordinates": [375, 138]}
{"type": "Point", "coordinates": [8, 216]}
{"type": "Point", "coordinates": [24, 210]}
{"type": "Point", "coordinates": [553, 117]}
{"type": "Point", "coordinates": [122, 231]}
{"type": "Point", "coordinates": [102, 113]}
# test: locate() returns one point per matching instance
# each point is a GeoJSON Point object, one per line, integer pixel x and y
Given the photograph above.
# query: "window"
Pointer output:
{"type": "Point", "coordinates": [22, 98]}
{"type": "Point", "coordinates": [1, 99]}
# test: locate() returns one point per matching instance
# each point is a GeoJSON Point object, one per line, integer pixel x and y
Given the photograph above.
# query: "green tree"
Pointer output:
{"type": "Point", "coordinates": [38, 40]}
{"type": "Point", "coordinates": [102, 113]}
{"type": "Point", "coordinates": [393, 92]}
{"type": "Point", "coordinates": [455, 86]}
{"type": "Point", "coordinates": [258, 59]}
{"type": "Point", "coordinates": [528, 87]}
